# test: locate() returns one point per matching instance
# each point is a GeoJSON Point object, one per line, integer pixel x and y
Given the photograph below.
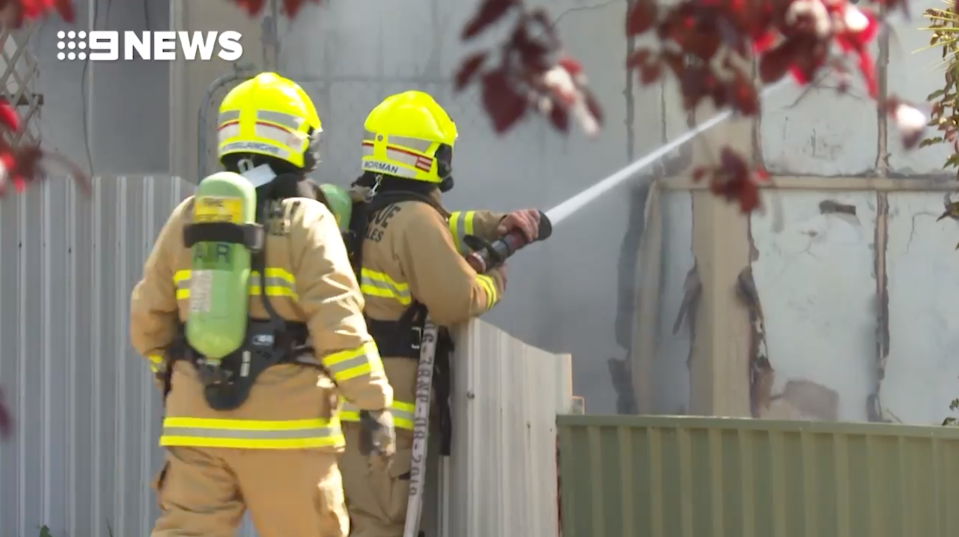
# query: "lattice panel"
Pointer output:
{"type": "Point", "coordinates": [19, 70]}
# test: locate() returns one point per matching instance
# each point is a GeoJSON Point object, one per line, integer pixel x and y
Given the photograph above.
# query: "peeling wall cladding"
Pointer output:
{"type": "Point", "coordinates": [670, 367]}
{"type": "Point", "coordinates": [814, 264]}
{"type": "Point", "coordinates": [815, 274]}
{"type": "Point", "coordinates": [701, 477]}
{"type": "Point", "coordinates": [922, 370]}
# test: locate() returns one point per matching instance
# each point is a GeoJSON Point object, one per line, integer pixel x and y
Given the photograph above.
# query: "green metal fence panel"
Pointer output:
{"type": "Point", "coordinates": [624, 476]}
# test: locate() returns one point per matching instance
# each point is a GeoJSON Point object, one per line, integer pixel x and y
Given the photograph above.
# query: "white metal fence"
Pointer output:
{"type": "Point", "coordinates": [87, 416]}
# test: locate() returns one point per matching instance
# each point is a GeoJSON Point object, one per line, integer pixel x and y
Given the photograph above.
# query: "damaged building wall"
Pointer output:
{"type": "Point", "coordinates": [847, 299]}
{"type": "Point", "coordinates": [815, 276]}
{"type": "Point", "coordinates": [921, 372]}
{"type": "Point", "coordinates": [834, 303]}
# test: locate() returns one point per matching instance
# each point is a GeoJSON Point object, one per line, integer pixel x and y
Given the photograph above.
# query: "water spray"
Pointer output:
{"type": "Point", "coordinates": [487, 255]}
{"type": "Point", "coordinates": [567, 208]}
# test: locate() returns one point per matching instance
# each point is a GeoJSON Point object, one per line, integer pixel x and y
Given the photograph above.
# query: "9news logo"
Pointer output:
{"type": "Point", "coordinates": [99, 45]}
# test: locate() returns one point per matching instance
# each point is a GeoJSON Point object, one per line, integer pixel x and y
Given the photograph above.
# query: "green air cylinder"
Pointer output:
{"type": "Point", "coordinates": [340, 204]}
{"type": "Point", "coordinates": [220, 272]}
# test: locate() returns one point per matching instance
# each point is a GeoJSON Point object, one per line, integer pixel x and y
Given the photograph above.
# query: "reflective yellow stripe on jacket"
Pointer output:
{"type": "Point", "coordinates": [251, 434]}
{"type": "Point", "coordinates": [461, 225]}
{"type": "Point", "coordinates": [489, 286]}
{"type": "Point", "coordinates": [402, 414]}
{"type": "Point", "coordinates": [279, 282]}
{"type": "Point", "coordinates": [156, 362]}
{"type": "Point", "coordinates": [373, 283]}
{"type": "Point", "coordinates": [352, 363]}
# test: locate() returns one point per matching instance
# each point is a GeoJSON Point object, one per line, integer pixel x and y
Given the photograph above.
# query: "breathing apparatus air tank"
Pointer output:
{"type": "Point", "coordinates": [340, 204]}
{"type": "Point", "coordinates": [220, 271]}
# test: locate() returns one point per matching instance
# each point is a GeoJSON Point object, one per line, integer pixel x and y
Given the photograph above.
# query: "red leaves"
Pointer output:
{"type": "Point", "coordinates": [16, 12]}
{"type": "Point", "coordinates": [711, 46]}
{"type": "Point", "coordinates": [6, 422]}
{"type": "Point", "coordinates": [290, 7]}
{"type": "Point", "coordinates": [504, 105]}
{"type": "Point", "coordinates": [640, 17]}
{"type": "Point", "coordinates": [468, 69]}
{"type": "Point", "coordinates": [532, 72]}
{"type": "Point", "coordinates": [910, 121]}
{"type": "Point", "coordinates": [733, 180]}
{"type": "Point", "coordinates": [22, 165]}
{"type": "Point", "coordinates": [489, 13]}
{"type": "Point", "coordinates": [8, 117]}
{"type": "Point", "coordinates": [790, 37]}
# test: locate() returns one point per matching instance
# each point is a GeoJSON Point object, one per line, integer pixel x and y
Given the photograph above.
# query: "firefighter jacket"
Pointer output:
{"type": "Point", "coordinates": [308, 279]}
{"type": "Point", "coordinates": [414, 252]}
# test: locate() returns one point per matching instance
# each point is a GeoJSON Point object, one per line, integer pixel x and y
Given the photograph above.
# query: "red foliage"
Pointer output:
{"type": "Point", "coordinates": [16, 12]}
{"type": "Point", "coordinates": [733, 180]}
{"type": "Point", "coordinates": [710, 46]}
{"type": "Point", "coordinates": [533, 72]}
{"type": "Point", "coordinates": [6, 423]}
{"type": "Point", "coordinates": [290, 7]}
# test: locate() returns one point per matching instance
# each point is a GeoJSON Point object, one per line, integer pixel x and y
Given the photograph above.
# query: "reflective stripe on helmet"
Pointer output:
{"type": "Point", "coordinates": [407, 162]}
{"type": "Point", "coordinates": [272, 116]}
{"type": "Point", "coordinates": [403, 134]}
{"type": "Point", "coordinates": [251, 434]}
{"type": "Point", "coordinates": [416, 144]}
{"type": "Point", "coordinates": [279, 118]}
{"type": "Point", "coordinates": [227, 116]}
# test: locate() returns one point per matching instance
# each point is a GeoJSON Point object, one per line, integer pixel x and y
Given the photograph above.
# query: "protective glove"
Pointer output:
{"type": "Point", "coordinates": [525, 220]}
{"type": "Point", "coordinates": [377, 438]}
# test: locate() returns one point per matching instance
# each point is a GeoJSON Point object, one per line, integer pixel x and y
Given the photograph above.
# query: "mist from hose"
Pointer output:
{"type": "Point", "coordinates": [569, 207]}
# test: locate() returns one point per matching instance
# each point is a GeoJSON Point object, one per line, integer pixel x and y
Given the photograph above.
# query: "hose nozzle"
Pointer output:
{"type": "Point", "coordinates": [489, 255]}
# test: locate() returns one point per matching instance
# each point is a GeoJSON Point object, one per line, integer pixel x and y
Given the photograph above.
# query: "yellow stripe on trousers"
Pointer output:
{"type": "Point", "coordinates": [251, 434]}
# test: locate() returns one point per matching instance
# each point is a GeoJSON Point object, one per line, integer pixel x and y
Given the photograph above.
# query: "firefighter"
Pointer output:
{"type": "Point", "coordinates": [268, 443]}
{"type": "Point", "coordinates": [409, 254]}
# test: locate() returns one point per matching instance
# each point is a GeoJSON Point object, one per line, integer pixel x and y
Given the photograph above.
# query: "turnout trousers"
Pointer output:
{"type": "Point", "coordinates": [204, 492]}
{"type": "Point", "coordinates": [377, 499]}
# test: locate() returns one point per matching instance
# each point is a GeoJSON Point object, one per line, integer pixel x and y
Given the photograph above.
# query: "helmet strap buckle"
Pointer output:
{"type": "Point", "coordinates": [374, 189]}
{"type": "Point", "coordinates": [245, 165]}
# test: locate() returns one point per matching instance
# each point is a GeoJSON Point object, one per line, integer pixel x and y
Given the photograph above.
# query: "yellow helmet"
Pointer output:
{"type": "Point", "coordinates": [272, 116]}
{"type": "Point", "coordinates": [409, 135]}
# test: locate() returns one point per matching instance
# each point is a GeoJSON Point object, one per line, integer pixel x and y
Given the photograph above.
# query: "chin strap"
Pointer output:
{"type": "Point", "coordinates": [446, 184]}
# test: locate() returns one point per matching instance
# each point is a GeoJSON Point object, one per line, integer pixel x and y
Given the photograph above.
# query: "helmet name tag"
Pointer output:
{"type": "Point", "coordinates": [251, 146]}
{"type": "Point", "coordinates": [375, 165]}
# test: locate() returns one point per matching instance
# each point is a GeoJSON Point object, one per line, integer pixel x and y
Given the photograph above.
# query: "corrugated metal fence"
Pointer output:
{"type": "Point", "coordinates": [699, 477]}
{"type": "Point", "coordinates": [501, 479]}
{"type": "Point", "coordinates": [87, 415]}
